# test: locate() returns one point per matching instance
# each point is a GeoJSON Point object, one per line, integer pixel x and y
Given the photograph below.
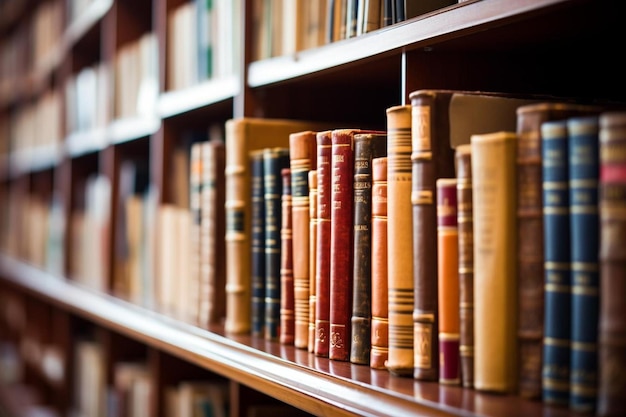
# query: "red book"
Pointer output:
{"type": "Point", "coordinates": [287, 297]}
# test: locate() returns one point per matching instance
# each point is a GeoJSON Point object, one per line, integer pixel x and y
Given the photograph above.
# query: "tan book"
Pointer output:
{"type": "Point", "coordinates": [495, 276]}
{"type": "Point", "coordinates": [400, 241]}
{"type": "Point", "coordinates": [312, 255]}
{"type": "Point", "coordinates": [242, 136]}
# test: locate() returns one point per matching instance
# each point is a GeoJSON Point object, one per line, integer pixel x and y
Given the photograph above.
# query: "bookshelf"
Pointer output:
{"type": "Point", "coordinates": [68, 168]}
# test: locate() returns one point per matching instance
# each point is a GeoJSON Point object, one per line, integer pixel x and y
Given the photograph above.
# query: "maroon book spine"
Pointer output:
{"type": "Point", "coordinates": [322, 280]}
{"type": "Point", "coordinates": [287, 297]}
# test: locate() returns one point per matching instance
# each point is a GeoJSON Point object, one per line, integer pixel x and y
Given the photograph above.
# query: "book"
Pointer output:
{"type": "Point", "coordinates": [212, 232]}
{"type": "Point", "coordinates": [257, 257]}
{"type": "Point", "coordinates": [448, 282]}
{"type": "Point", "coordinates": [324, 213]}
{"type": "Point", "coordinates": [287, 298]}
{"type": "Point", "coordinates": [465, 220]}
{"type": "Point", "coordinates": [341, 241]}
{"type": "Point", "coordinates": [612, 326]}
{"type": "Point", "coordinates": [495, 281]}
{"type": "Point", "coordinates": [556, 237]}
{"type": "Point", "coordinates": [312, 255]}
{"type": "Point", "coordinates": [196, 160]}
{"type": "Point", "coordinates": [241, 136]}
{"type": "Point", "coordinates": [530, 246]}
{"type": "Point", "coordinates": [366, 147]}
{"type": "Point", "coordinates": [303, 158]}
{"type": "Point", "coordinates": [275, 159]}
{"type": "Point", "coordinates": [380, 311]}
{"type": "Point", "coordinates": [399, 242]}
{"type": "Point", "coordinates": [442, 120]}
{"type": "Point", "coordinates": [584, 174]}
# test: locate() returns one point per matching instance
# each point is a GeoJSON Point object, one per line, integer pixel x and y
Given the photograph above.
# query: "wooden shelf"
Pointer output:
{"type": "Point", "coordinates": [295, 376]}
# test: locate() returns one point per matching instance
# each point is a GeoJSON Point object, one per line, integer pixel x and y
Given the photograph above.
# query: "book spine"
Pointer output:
{"type": "Point", "coordinates": [312, 256]}
{"type": "Point", "coordinates": [612, 333]}
{"type": "Point", "coordinates": [495, 281]}
{"type": "Point", "coordinates": [465, 219]}
{"type": "Point", "coordinates": [302, 151]}
{"type": "Point", "coordinates": [213, 266]}
{"type": "Point", "coordinates": [380, 312]}
{"type": "Point", "coordinates": [584, 171]}
{"type": "Point", "coordinates": [322, 280]}
{"type": "Point", "coordinates": [195, 207]}
{"type": "Point", "coordinates": [366, 147]}
{"type": "Point", "coordinates": [400, 235]}
{"type": "Point", "coordinates": [341, 256]}
{"type": "Point", "coordinates": [287, 297]}
{"type": "Point", "coordinates": [257, 242]}
{"type": "Point", "coordinates": [556, 339]}
{"type": "Point", "coordinates": [274, 161]}
{"type": "Point", "coordinates": [448, 282]}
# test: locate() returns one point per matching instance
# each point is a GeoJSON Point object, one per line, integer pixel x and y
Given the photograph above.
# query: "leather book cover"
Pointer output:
{"type": "Point", "coordinates": [380, 311]}
{"type": "Point", "coordinates": [448, 282]}
{"type": "Point", "coordinates": [495, 276]}
{"type": "Point", "coordinates": [257, 236]}
{"type": "Point", "coordinates": [243, 135]}
{"type": "Point", "coordinates": [556, 240]}
{"type": "Point", "coordinates": [341, 242]}
{"type": "Point", "coordinates": [612, 332]}
{"type": "Point", "coordinates": [399, 244]}
{"type": "Point", "coordinates": [195, 208]}
{"type": "Point", "coordinates": [324, 213]}
{"type": "Point", "coordinates": [530, 246]}
{"type": "Point", "coordinates": [287, 297]}
{"type": "Point", "coordinates": [213, 229]}
{"type": "Point", "coordinates": [303, 158]}
{"type": "Point", "coordinates": [465, 220]}
{"type": "Point", "coordinates": [312, 254]}
{"type": "Point", "coordinates": [275, 159]}
{"type": "Point", "coordinates": [584, 176]}
{"type": "Point", "coordinates": [366, 147]}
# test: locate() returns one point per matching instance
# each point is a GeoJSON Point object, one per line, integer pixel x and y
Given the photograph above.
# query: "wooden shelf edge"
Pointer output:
{"type": "Point", "coordinates": [209, 92]}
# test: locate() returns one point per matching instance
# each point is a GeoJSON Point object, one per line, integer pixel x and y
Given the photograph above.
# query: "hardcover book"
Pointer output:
{"type": "Point", "coordinates": [366, 147]}
{"type": "Point", "coordinates": [312, 256]}
{"type": "Point", "coordinates": [243, 135]}
{"type": "Point", "coordinates": [287, 301]}
{"type": "Point", "coordinates": [257, 235]}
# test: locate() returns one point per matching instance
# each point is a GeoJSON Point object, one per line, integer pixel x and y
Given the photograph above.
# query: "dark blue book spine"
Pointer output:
{"type": "Point", "coordinates": [557, 335]}
{"type": "Point", "coordinates": [274, 160]}
{"type": "Point", "coordinates": [257, 244]}
{"type": "Point", "coordinates": [585, 240]}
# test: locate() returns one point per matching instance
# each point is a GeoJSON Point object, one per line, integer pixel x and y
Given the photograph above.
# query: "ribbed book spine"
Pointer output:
{"type": "Point", "coordinates": [380, 311]}
{"type": "Point", "coordinates": [556, 340]}
{"type": "Point", "coordinates": [584, 175]}
{"type": "Point", "coordinates": [322, 281]}
{"type": "Point", "coordinates": [303, 156]}
{"type": "Point", "coordinates": [366, 147]}
{"type": "Point", "coordinates": [274, 160]}
{"type": "Point", "coordinates": [448, 282]}
{"type": "Point", "coordinates": [495, 279]}
{"type": "Point", "coordinates": [612, 384]}
{"type": "Point", "coordinates": [465, 219]}
{"type": "Point", "coordinates": [287, 298]}
{"type": "Point", "coordinates": [312, 256]}
{"type": "Point", "coordinates": [400, 242]}
{"type": "Point", "coordinates": [257, 242]}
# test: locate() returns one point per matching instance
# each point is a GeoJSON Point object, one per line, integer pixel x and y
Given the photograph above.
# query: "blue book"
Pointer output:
{"type": "Point", "coordinates": [257, 243]}
{"type": "Point", "coordinates": [557, 279]}
{"type": "Point", "coordinates": [584, 230]}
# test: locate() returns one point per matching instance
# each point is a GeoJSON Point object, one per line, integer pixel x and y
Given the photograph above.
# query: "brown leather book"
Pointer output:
{"type": "Point", "coordinates": [465, 219]}
{"type": "Point", "coordinates": [448, 282]}
{"type": "Point", "coordinates": [380, 312]}
{"type": "Point", "coordinates": [243, 135]}
{"type": "Point", "coordinates": [366, 147]}
{"type": "Point", "coordinates": [303, 158]}
{"type": "Point", "coordinates": [341, 242]}
{"type": "Point", "coordinates": [530, 245]}
{"type": "Point", "coordinates": [312, 255]}
{"type": "Point", "coordinates": [495, 279]}
{"type": "Point", "coordinates": [287, 297]}
{"type": "Point", "coordinates": [324, 213]}
{"type": "Point", "coordinates": [612, 333]}
{"type": "Point", "coordinates": [399, 241]}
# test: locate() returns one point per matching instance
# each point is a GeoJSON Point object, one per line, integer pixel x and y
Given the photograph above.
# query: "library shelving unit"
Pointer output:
{"type": "Point", "coordinates": [86, 86]}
